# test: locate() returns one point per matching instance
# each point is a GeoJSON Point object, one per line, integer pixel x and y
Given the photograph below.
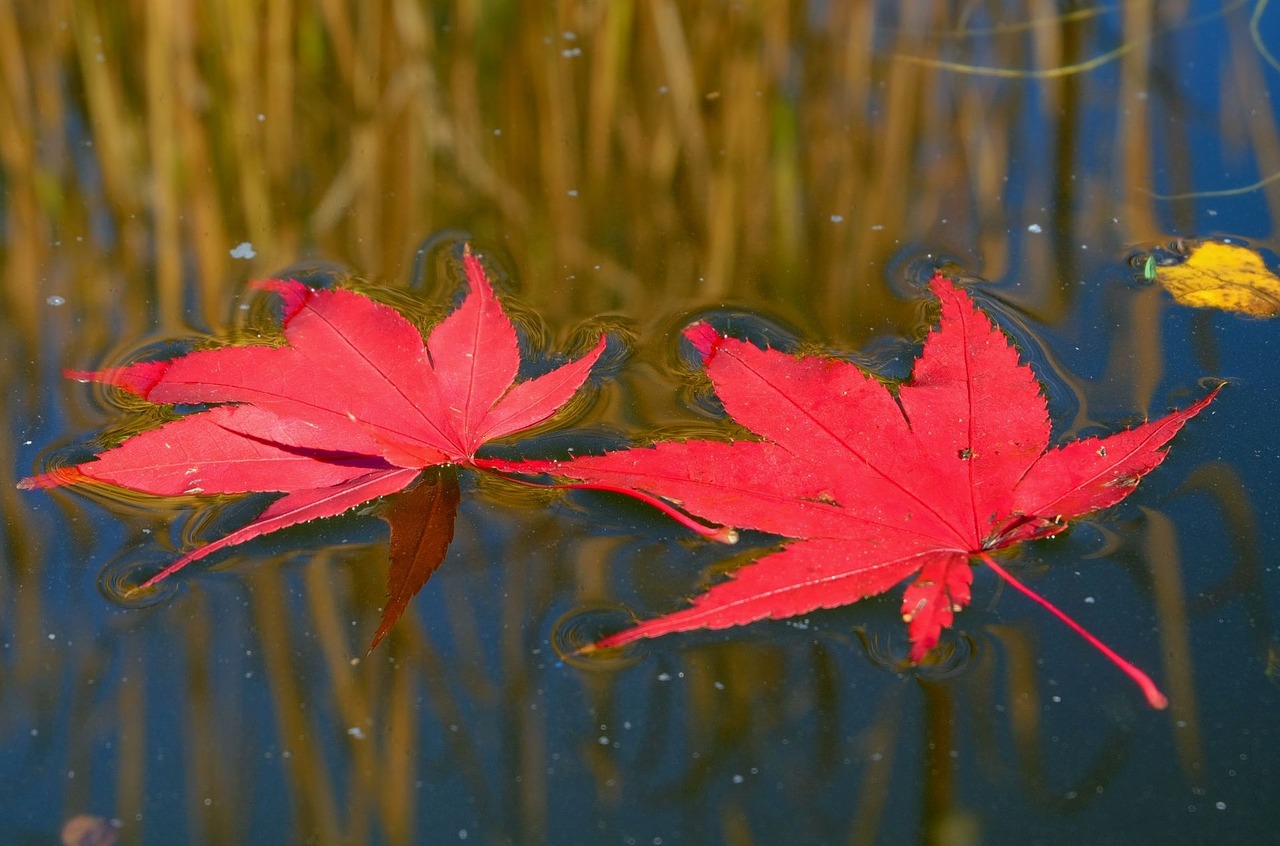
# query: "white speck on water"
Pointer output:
{"type": "Point", "coordinates": [879, 227]}
{"type": "Point", "coordinates": [1221, 806]}
{"type": "Point", "coordinates": [738, 779]}
{"type": "Point", "coordinates": [1035, 228]}
{"type": "Point", "coordinates": [497, 133]}
{"type": "Point", "coordinates": [243, 250]}
{"type": "Point", "coordinates": [572, 192]}
{"type": "Point", "coordinates": [568, 35]}
{"type": "Point", "coordinates": [571, 53]}
{"type": "Point", "coordinates": [356, 732]}
{"type": "Point", "coordinates": [603, 740]}
{"type": "Point", "coordinates": [664, 677]}
{"type": "Point", "coordinates": [1089, 600]}
{"type": "Point", "coordinates": [261, 117]}
{"type": "Point", "coordinates": [56, 301]}
{"type": "Point", "coordinates": [837, 218]}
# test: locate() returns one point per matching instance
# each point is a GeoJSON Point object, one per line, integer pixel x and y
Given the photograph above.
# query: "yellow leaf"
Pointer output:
{"type": "Point", "coordinates": [1225, 276]}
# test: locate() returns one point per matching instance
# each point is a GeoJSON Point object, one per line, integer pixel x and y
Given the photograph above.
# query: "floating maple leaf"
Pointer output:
{"type": "Point", "coordinates": [877, 486]}
{"type": "Point", "coordinates": [1217, 274]}
{"type": "Point", "coordinates": [354, 407]}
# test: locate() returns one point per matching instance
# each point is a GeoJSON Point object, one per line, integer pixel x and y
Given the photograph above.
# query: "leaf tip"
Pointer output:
{"type": "Point", "coordinates": [138, 378]}
{"type": "Point", "coordinates": [613, 641]}
{"type": "Point", "coordinates": [705, 340]}
{"type": "Point", "coordinates": [940, 282]}
{"type": "Point", "coordinates": [477, 277]}
{"type": "Point", "coordinates": [80, 375]}
{"type": "Point", "coordinates": [294, 293]}
{"type": "Point", "coordinates": [55, 478]}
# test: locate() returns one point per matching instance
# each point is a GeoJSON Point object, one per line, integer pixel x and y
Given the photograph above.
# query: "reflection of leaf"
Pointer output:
{"type": "Point", "coordinates": [1225, 276]}
{"type": "Point", "coordinates": [421, 521]}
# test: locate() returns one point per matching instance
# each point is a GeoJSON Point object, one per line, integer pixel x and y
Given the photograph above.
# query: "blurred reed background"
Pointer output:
{"type": "Point", "coordinates": [620, 152]}
{"type": "Point", "coordinates": [635, 157]}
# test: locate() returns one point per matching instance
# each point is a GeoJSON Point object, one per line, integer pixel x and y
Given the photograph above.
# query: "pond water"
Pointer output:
{"type": "Point", "coordinates": [791, 169]}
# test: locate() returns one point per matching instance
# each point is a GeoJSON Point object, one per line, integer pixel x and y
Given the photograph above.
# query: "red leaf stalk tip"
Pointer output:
{"type": "Point", "coordinates": [1155, 698]}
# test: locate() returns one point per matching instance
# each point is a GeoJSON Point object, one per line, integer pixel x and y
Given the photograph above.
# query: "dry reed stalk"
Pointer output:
{"type": "Point", "coordinates": [132, 760]}
{"type": "Point", "coordinates": [160, 30]}
{"type": "Point", "coordinates": [1160, 549]}
{"type": "Point", "coordinates": [306, 770]}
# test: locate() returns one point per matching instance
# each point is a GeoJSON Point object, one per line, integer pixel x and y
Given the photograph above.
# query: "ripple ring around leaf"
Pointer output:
{"type": "Point", "coordinates": [119, 580]}
{"type": "Point", "coordinates": [952, 657]}
{"type": "Point", "coordinates": [586, 623]}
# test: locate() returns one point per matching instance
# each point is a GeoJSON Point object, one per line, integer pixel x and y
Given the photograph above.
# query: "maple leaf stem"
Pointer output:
{"type": "Point", "coordinates": [1155, 698]}
{"type": "Point", "coordinates": [720, 534]}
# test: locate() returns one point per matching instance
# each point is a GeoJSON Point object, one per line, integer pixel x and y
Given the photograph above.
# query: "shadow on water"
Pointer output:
{"type": "Point", "coordinates": [791, 168]}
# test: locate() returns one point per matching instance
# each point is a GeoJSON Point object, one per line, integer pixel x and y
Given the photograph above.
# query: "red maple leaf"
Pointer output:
{"type": "Point", "coordinates": [354, 407]}
{"type": "Point", "coordinates": [877, 485]}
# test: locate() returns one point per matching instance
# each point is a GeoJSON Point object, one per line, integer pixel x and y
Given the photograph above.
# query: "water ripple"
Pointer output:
{"type": "Point", "coordinates": [952, 656]}
{"type": "Point", "coordinates": [587, 623]}
{"type": "Point", "coordinates": [118, 581]}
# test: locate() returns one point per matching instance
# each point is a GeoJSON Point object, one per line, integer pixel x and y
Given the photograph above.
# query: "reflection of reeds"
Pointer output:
{"type": "Point", "coordinates": [639, 156]}
{"type": "Point", "coordinates": [687, 155]}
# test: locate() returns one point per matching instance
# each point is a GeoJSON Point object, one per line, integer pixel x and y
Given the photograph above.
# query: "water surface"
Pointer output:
{"type": "Point", "coordinates": [793, 168]}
